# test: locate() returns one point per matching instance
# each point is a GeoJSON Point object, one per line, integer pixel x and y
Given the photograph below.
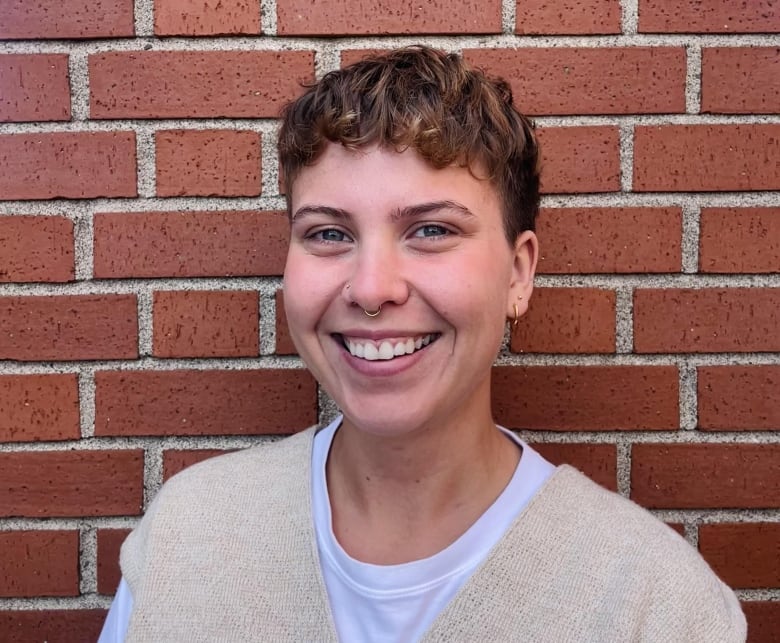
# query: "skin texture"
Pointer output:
{"type": "Point", "coordinates": [417, 458]}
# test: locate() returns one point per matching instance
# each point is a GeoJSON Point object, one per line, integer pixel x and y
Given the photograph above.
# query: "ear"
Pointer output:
{"type": "Point", "coordinates": [526, 254]}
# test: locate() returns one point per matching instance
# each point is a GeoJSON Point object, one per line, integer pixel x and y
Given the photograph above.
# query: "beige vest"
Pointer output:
{"type": "Point", "coordinates": [227, 552]}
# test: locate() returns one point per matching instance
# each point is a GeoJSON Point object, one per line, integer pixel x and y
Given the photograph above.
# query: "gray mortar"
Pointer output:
{"type": "Point", "coordinates": [508, 16]}
{"type": "Point", "coordinates": [267, 326]}
{"type": "Point", "coordinates": [689, 405]}
{"type": "Point", "coordinates": [626, 134]}
{"type": "Point", "coordinates": [145, 323]}
{"type": "Point", "coordinates": [693, 79]}
{"type": "Point", "coordinates": [88, 560]}
{"type": "Point", "coordinates": [144, 18]}
{"type": "Point", "coordinates": [79, 86]}
{"type": "Point", "coordinates": [623, 467]}
{"type": "Point", "coordinates": [629, 18]}
{"type": "Point", "coordinates": [624, 316]}
{"type": "Point", "coordinates": [87, 401]}
{"type": "Point", "coordinates": [270, 160]}
{"type": "Point", "coordinates": [691, 214]}
{"type": "Point", "coordinates": [325, 60]}
{"type": "Point", "coordinates": [146, 160]}
{"type": "Point", "coordinates": [153, 472]}
{"type": "Point", "coordinates": [83, 232]}
{"type": "Point", "coordinates": [328, 410]}
{"type": "Point", "coordinates": [268, 17]}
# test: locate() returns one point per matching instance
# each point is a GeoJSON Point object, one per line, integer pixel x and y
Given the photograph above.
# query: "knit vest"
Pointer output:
{"type": "Point", "coordinates": [227, 552]}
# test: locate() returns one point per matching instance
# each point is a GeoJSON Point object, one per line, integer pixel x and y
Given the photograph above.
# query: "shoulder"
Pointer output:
{"type": "Point", "coordinates": [638, 561]}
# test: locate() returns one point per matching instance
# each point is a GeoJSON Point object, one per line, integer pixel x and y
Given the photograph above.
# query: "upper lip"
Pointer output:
{"type": "Point", "coordinates": [379, 335]}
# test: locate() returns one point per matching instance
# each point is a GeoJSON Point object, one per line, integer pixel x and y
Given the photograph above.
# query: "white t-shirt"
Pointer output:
{"type": "Point", "coordinates": [383, 603]}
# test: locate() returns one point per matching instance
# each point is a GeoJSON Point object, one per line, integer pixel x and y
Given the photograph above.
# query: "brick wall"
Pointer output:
{"type": "Point", "coordinates": [142, 241]}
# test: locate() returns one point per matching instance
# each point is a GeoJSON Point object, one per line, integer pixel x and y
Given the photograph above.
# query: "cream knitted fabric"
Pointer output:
{"type": "Point", "coordinates": [227, 552]}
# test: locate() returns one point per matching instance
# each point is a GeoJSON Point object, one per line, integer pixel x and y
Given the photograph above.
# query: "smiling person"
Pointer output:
{"type": "Point", "coordinates": [412, 191]}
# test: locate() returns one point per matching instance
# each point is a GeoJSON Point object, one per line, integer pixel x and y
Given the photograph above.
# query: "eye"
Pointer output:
{"type": "Point", "coordinates": [328, 235]}
{"type": "Point", "coordinates": [431, 230]}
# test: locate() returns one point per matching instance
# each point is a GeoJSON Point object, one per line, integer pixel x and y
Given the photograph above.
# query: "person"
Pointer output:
{"type": "Point", "coordinates": [412, 188]}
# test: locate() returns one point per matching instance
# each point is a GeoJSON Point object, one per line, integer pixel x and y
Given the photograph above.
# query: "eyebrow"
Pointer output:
{"type": "Point", "coordinates": [410, 211]}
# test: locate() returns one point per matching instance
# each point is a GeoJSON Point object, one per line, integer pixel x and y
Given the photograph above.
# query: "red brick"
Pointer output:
{"type": "Point", "coordinates": [66, 19]}
{"type": "Point", "coordinates": [202, 323]}
{"type": "Point", "coordinates": [567, 17]}
{"type": "Point", "coordinates": [36, 248]}
{"type": "Point", "coordinates": [706, 320]}
{"type": "Point", "coordinates": [739, 240]}
{"type": "Point", "coordinates": [175, 461]}
{"type": "Point", "coordinates": [73, 165]}
{"type": "Point", "coordinates": [740, 80]}
{"type": "Point", "coordinates": [36, 87]}
{"type": "Point", "coordinates": [586, 398]}
{"type": "Point", "coordinates": [208, 163]}
{"type": "Point", "coordinates": [679, 528]}
{"type": "Point", "coordinates": [206, 18]}
{"type": "Point", "coordinates": [763, 618]}
{"type": "Point", "coordinates": [195, 84]}
{"type": "Point", "coordinates": [190, 244]}
{"type": "Point", "coordinates": [739, 398]}
{"type": "Point", "coordinates": [39, 407]}
{"type": "Point", "coordinates": [567, 320]}
{"type": "Point", "coordinates": [706, 476]}
{"type": "Point", "coordinates": [609, 240]}
{"type": "Point", "coordinates": [109, 542]}
{"type": "Point", "coordinates": [68, 327]}
{"type": "Point", "coordinates": [284, 342]}
{"type": "Point", "coordinates": [39, 563]}
{"type": "Point", "coordinates": [706, 158]}
{"type": "Point", "coordinates": [71, 483]}
{"type": "Point", "coordinates": [363, 17]}
{"type": "Point", "coordinates": [247, 402]}
{"type": "Point", "coordinates": [712, 16]}
{"type": "Point", "coordinates": [51, 626]}
{"type": "Point", "coordinates": [744, 555]}
{"type": "Point", "coordinates": [575, 80]}
{"type": "Point", "coordinates": [579, 159]}
{"type": "Point", "coordinates": [597, 461]}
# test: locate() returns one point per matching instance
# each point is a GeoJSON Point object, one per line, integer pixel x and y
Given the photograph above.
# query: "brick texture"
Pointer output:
{"type": "Point", "coordinates": [567, 320]}
{"type": "Point", "coordinates": [68, 327]}
{"type": "Point", "coordinates": [35, 87]}
{"type": "Point", "coordinates": [763, 619]}
{"type": "Point", "coordinates": [206, 18]}
{"type": "Point", "coordinates": [52, 626]}
{"type": "Point", "coordinates": [706, 320]}
{"type": "Point", "coordinates": [609, 240]}
{"type": "Point", "coordinates": [284, 342]}
{"type": "Point", "coordinates": [71, 483]}
{"type": "Point", "coordinates": [579, 159]}
{"type": "Point", "coordinates": [195, 84]}
{"type": "Point", "coordinates": [348, 17]}
{"type": "Point", "coordinates": [39, 407]}
{"type": "Point", "coordinates": [712, 16]}
{"type": "Point", "coordinates": [744, 555]}
{"type": "Point", "coordinates": [586, 398]}
{"type": "Point", "coordinates": [36, 248]}
{"type": "Point", "coordinates": [739, 240]}
{"type": "Point", "coordinates": [176, 460]}
{"type": "Point", "coordinates": [597, 461]}
{"type": "Point", "coordinates": [208, 163]}
{"type": "Point", "coordinates": [204, 402]}
{"type": "Point", "coordinates": [705, 476]}
{"type": "Point", "coordinates": [567, 17]}
{"type": "Point", "coordinates": [190, 244]}
{"type": "Point", "coordinates": [73, 165]}
{"type": "Point", "coordinates": [706, 158]}
{"type": "Point", "coordinates": [200, 323]}
{"type": "Point", "coordinates": [66, 19]}
{"type": "Point", "coordinates": [740, 80]}
{"type": "Point", "coordinates": [109, 542]}
{"type": "Point", "coordinates": [617, 80]}
{"type": "Point", "coordinates": [739, 398]}
{"type": "Point", "coordinates": [39, 563]}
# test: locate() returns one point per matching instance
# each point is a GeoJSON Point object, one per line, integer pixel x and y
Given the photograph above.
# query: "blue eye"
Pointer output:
{"type": "Point", "coordinates": [431, 230]}
{"type": "Point", "coordinates": [329, 235]}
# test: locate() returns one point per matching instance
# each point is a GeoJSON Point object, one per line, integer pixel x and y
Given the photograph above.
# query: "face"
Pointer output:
{"type": "Point", "coordinates": [377, 230]}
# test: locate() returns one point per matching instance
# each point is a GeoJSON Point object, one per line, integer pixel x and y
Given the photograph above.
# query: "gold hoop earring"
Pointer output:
{"type": "Point", "coordinates": [516, 319]}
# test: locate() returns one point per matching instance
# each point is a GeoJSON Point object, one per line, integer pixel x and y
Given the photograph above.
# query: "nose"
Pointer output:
{"type": "Point", "coordinates": [377, 278]}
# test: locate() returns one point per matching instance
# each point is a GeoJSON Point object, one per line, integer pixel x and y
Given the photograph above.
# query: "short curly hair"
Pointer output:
{"type": "Point", "coordinates": [433, 102]}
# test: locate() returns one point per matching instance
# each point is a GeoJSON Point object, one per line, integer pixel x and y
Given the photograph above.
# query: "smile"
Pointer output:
{"type": "Point", "coordinates": [388, 348]}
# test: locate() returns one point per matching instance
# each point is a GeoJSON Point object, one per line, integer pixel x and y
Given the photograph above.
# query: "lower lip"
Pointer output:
{"type": "Point", "coordinates": [384, 367]}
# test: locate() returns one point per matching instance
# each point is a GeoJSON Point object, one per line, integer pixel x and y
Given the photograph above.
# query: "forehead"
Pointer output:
{"type": "Point", "coordinates": [381, 178]}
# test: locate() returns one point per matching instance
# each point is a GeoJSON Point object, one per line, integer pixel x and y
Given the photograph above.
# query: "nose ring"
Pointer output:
{"type": "Point", "coordinates": [373, 313]}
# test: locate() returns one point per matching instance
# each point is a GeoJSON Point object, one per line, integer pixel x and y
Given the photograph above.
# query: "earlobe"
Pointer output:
{"type": "Point", "coordinates": [526, 253]}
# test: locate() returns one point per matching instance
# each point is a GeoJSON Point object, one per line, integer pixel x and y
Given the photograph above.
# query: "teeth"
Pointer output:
{"type": "Point", "coordinates": [368, 350]}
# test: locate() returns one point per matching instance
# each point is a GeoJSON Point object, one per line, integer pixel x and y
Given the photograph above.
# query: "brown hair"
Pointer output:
{"type": "Point", "coordinates": [430, 101]}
